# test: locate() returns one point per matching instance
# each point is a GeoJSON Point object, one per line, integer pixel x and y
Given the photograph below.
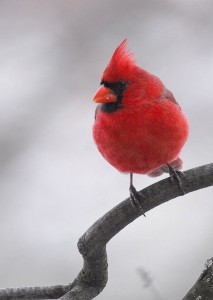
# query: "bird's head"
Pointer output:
{"type": "Point", "coordinates": [124, 84]}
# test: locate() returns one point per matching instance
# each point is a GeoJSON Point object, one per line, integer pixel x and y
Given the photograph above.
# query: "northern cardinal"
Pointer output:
{"type": "Point", "coordinates": [139, 126]}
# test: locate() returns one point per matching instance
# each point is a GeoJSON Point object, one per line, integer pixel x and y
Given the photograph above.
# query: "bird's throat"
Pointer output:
{"type": "Point", "coordinates": [113, 106]}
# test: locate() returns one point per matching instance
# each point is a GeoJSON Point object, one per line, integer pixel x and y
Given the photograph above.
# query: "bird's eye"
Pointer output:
{"type": "Point", "coordinates": [122, 85]}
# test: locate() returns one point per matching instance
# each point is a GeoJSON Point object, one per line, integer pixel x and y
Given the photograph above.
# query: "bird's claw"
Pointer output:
{"type": "Point", "coordinates": [176, 175]}
{"type": "Point", "coordinates": [135, 200]}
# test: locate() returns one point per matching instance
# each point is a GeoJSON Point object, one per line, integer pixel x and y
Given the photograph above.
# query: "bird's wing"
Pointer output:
{"type": "Point", "coordinates": [169, 96]}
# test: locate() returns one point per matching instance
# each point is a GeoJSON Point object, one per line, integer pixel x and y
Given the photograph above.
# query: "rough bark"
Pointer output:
{"type": "Point", "coordinates": [203, 288]}
{"type": "Point", "coordinates": [92, 245]}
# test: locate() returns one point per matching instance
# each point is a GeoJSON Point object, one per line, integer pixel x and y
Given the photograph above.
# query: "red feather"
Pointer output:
{"type": "Point", "coordinates": [147, 129]}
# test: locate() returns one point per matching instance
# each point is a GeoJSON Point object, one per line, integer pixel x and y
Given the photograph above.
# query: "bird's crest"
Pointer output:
{"type": "Point", "coordinates": [120, 64]}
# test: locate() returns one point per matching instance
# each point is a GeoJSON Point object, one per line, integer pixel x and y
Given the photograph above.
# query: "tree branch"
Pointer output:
{"type": "Point", "coordinates": [203, 288]}
{"type": "Point", "coordinates": [92, 245]}
{"type": "Point", "coordinates": [46, 292]}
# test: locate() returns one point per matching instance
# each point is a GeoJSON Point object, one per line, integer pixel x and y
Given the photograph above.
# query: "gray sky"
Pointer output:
{"type": "Point", "coordinates": [54, 183]}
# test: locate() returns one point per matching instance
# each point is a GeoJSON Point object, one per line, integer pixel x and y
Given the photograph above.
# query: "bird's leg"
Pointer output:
{"type": "Point", "coordinates": [175, 174]}
{"type": "Point", "coordinates": [135, 197]}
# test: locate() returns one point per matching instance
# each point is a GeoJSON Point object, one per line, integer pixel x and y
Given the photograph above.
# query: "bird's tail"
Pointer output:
{"type": "Point", "coordinates": [176, 164]}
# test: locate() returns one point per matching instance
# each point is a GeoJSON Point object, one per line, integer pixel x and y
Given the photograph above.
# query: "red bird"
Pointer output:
{"type": "Point", "coordinates": [139, 126]}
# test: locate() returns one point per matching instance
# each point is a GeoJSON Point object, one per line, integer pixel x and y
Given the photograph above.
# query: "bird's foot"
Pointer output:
{"type": "Point", "coordinates": [135, 200]}
{"type": "Point", "coordinates": [176, 175]}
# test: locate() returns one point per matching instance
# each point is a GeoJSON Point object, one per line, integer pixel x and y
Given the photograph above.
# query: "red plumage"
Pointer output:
{"type": "Point", "coordinates": [139, 126]}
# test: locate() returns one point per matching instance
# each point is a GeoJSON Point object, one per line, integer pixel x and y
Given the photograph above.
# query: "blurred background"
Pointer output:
{"type": "Point", "coordinates": [54, 183]}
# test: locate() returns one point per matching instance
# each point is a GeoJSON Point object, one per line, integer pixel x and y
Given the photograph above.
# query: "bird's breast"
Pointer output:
{"type": "Point", "coordinates": [142, 138]}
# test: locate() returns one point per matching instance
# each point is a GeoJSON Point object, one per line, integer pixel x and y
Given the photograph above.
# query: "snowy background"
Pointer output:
{"type": "Point", "coordinates": [54, 183]}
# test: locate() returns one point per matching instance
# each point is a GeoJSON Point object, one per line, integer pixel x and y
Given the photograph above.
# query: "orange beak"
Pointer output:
{"type": "Point", "coordinates": [104, 95]}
